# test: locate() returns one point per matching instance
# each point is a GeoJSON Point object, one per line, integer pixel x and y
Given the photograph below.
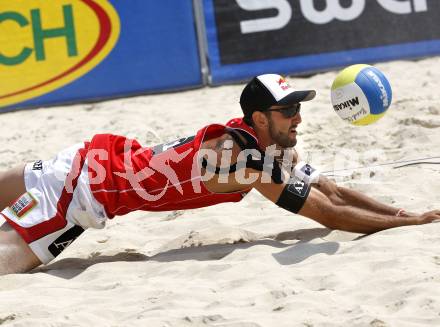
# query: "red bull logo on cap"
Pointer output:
{"type": "Point", "coordinates": [283, 84]}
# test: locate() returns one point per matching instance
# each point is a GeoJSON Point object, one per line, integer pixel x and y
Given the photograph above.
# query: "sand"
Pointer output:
{"type": "Point", "coordinates": [246, 264]}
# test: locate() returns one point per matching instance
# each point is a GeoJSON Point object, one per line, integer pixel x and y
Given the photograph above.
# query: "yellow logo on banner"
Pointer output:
{"type": "Point", "coordinates": [45, 45]}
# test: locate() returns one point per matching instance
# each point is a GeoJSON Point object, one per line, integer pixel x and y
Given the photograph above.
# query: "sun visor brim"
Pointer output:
{"type": "Point", "coordinates": [297, 96]}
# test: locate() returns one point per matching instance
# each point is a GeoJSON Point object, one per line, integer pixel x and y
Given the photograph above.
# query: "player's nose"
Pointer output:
{"type": "Point", "coordinates": [297, 119]}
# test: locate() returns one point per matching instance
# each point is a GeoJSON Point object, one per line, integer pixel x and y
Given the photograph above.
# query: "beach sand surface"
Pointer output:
{"type": "Point", "coordinates": [245, 264]}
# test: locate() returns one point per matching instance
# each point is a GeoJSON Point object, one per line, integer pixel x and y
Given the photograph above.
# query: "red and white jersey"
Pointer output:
{"type": "Point", "coordinates": [124, 176]}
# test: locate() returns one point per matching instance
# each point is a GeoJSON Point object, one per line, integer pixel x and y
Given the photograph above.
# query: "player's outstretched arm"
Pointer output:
{"type": "Point", "coordinates": [328, 210]}
{"type": "Point", "coordinates": [345, 196]}
{"type": "Point", "coordinates": [356, 219]}
{"type": "Point", "coordinates": [326, 203]}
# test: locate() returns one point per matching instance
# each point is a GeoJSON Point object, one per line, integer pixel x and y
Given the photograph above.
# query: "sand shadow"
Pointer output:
{"type": "Point", "coordinates": [72, 267]}
{"type": "Point", "coordinates": [303, 235]}
{"type": "Point", "coordinates": [303, 250]}
{"type": "Point", "coordinates": [293, 253]}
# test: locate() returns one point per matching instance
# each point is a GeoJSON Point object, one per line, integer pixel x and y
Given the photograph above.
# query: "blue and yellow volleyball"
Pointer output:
{"type": "Point", "coordinates": [361, 94]}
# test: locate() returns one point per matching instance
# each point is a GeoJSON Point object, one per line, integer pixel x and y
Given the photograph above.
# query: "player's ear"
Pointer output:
{"type": "Point", "coordinates": [260, 119]}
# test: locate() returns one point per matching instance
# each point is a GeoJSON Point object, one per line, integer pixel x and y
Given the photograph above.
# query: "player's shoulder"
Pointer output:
{"type": "Point", "coordinates": [222, 142]}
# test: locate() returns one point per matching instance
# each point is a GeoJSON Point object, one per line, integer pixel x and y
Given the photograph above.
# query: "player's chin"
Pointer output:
{"type": "Point", "coordinates": [291, 142]}
{"type": "Point", "coordinates": [292, 139]}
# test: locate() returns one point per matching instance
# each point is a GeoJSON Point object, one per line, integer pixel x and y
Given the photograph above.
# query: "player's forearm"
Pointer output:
{"type": "Point", "coordinates": [358, 200]}
{"type": "Point", "coordinates": [354, 219]}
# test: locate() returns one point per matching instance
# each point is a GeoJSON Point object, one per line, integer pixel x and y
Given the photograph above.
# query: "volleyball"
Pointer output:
{"type": "Point", "coordinates": [361, 94]}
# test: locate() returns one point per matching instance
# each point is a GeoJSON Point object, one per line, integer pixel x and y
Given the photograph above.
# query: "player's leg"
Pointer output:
{"type": "Point", "coordinates": [50, 209]}
{"type": "Point", "coordinates": [11, 185]}
{"type": "Point", "coordinates": [15, 254]}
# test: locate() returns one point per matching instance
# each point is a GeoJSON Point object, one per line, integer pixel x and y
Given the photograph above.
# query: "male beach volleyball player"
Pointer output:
{"type": "Point", "coordinates": [49, 203]}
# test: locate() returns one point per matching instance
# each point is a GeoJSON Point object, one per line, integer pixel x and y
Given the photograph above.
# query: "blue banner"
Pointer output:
{"type": "Point", "coordinates": [247, 38]}
{"type": "Point", "coordinates": [85, 50]}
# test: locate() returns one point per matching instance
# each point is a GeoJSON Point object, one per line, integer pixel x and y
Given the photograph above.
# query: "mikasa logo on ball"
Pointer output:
{"type": "Point", "coordinates": [347, 104]}
{"type": "Point", "coordinates": [343, 103]}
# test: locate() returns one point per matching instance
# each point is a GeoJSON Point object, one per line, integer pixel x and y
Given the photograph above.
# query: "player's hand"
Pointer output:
{"type": "Point", "coordinates": [429, 217]}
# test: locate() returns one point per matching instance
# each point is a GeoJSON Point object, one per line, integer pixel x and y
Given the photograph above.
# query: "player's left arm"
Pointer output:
{"type": "Point", "coordinates": [299, 196]}
{"type": "Point", "coordinates": [339, 195]}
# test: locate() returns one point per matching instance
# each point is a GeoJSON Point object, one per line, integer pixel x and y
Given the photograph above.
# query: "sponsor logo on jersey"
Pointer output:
{"type": "Point", "coordinates": [172, 145]}
{"type": "Point", "coordinates": [38, 165]}
{"type": "Point", "coordinates": [23, 205]}
{"type": "Point", "coordinates": [65, 240]}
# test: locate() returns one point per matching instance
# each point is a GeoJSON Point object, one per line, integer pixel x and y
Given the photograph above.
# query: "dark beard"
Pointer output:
{"type": "Point", "coordinates": [282, 140]}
